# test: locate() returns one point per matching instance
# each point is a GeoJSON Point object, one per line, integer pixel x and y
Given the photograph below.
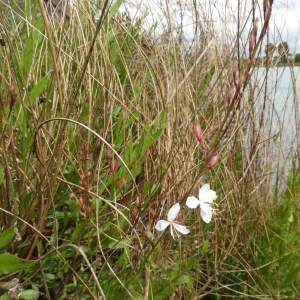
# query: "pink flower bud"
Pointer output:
{"type": "Point", "coordinates": [212, 161]}
{"type": "Point", "coordinates": [138, 202]}
{"type": "Point", "coordinates": [124, 182]}
{"type": "Point", "coordinates": [114, 165]}
{"type": "Point", "coordinates": [252, 39]}
{"type": "Point", "coordinates": [238, 86]}
{"type": "Point", "coordinates": [198, 132]}
{"type": "Point", "coordinates": [136, 213]}
{"type": "Point", "coordinates": [118, 183]}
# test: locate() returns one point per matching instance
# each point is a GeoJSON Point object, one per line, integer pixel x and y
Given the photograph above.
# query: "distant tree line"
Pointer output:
{"type": "Point", "coordinates": [279, 53]}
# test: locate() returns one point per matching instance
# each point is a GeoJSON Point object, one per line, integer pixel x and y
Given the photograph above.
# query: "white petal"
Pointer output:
{"type": "Point", "coordinates": [180, 228]}
{"type": "Point", "coordinates": [207, 195]}
{"type": "Point", "coordinates": [161, 225]}
{"type": "Point", "coordinates": [206, 212]}
{"type": "Point", "coordinates": [173, 212]}
{"type": "Point", "coordinates": [192, 202]}
{"type": "Point", "coordinates": [205, 187]}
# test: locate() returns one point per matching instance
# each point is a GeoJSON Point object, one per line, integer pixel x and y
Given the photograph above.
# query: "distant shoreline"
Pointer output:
{"type": "Point", "coordinates": [277, 65]}
{"type": "Point", "coordinates": [261, 62]}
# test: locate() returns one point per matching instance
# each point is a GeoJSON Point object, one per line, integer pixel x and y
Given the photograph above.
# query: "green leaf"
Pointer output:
{"type": "Point", "coordinates": [152, 135]}
{"type": "Point", "coordinates": [10, 263]}
{"type": "Point", "coordinates": [4, 297]}
{"type": "Point", "coordinates": [29, 295]}
{"type": "Point", "coordinates": [1, 174]}
{"type": "Point", "coordinates": [138, 296]}
{"type": "Point", "coordinates": [28, 52]}
{"type": "Point", "coordinates": [21, 121]}
{"type": "Point", "coordinates": [6, 237]}
{"type": "Point", "coordinates": [205, 247]}
{"type": "Point", "coordinates": [184, 279]}
{"type": "Point", "coordinates": [124, 243]}
{"type": "Point", "coordinates": [39, 88]}
{"type": "Point", "coordinates": [115, 7]}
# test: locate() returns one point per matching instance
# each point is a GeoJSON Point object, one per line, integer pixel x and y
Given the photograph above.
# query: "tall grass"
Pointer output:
{"type": "Point", "coordinates": [98, 141]}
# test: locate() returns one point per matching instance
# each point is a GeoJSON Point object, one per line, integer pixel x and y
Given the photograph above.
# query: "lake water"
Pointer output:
{"type": "Point", "coordinates": [278, 89]}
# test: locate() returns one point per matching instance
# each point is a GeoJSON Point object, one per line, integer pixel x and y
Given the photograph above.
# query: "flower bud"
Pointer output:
{"type": "Point", "coordinates": [198, 132]}
{"type": "Point", "coordinates": [124, 182]}
{"type": "Point", "coordinates": [238, 86]}
{"type": "Point", "coordinates": [212, 161]}
{"type": "Point", "coordinates": [114, 165]}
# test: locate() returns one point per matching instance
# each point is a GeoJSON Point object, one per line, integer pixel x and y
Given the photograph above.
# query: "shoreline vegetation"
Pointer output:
{"type": "Point", "coordinates": [278, 56]}
{"type": "Point", "coordinates": [279, 64]}
{"type": "Point", "coordinates": [135, 168]}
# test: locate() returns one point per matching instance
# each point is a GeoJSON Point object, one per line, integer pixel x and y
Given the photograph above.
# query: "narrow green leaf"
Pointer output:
{"type": "Point", "coordinates": [39, 88]}
{"type": "Point", "coordinates": [124, 243]}
{"type": "Point", "coordinates": [115, 7]}
{"type": "Point", "coordinates": [10, 263]}
{"type": "Point", "coordinates": [6, 237]}
{"type": "Point", "coordinates": [1, 174]}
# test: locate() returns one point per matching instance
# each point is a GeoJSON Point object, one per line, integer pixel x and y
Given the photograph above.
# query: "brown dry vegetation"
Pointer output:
{"type": "Point", "coordinates": [98, 141]}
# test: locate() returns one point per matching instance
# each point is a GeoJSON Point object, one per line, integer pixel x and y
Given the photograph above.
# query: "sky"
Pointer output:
{"type": "Point", "coordinates": [284, 25]}
{"type": "Point", "coordinates": [286, 20]}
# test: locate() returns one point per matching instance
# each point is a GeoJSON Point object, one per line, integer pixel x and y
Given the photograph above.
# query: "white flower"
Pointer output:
{"type": "Point", "coordinates": [206, 198]}
{"type": "Point", "coordinates": [161, 225]}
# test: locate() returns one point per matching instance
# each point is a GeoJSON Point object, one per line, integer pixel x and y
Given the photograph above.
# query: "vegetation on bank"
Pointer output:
{"type": "Point", "coordinates": [104, 130]}
{"type": "Point", "coordinates": [283, 57]}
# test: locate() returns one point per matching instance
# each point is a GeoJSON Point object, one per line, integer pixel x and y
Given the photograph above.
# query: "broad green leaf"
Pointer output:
{"type": "Point", "coordinates": [4, 297]}
{"type": "Point", "coordinates": [50, 277]}
{"type": "Point", "coordinates": [10, 263]}
{"type": "Point", "coordinates": [29, 295]}
{"type": "Point", "coordinates": [29, 48]}
{"type": "Point", "coordinates": [152, 135]}
{"type": "Point", "coordinates": [6, 237]}
{"type": "Point", "coordinates": [39, 88]}
{"type": "Point", "coordinates": [27, 55]}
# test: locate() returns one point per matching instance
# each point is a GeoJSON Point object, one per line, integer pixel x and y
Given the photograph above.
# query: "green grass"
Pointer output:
{"type": "Point", "coordinates": [97, 143]}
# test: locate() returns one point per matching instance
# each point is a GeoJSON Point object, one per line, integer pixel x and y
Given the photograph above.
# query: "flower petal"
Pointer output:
{"type": "Point", "coordinates": [206, 212]}
{"type": "Point", "coordinates": [161, 225]}
{"type": "Point", "coordinates": [206, 195]}
{"type": "Point", "coordinates": [180, 228]}
{"type": "Point", "coordinates": [192, 202]}
{"type": "Point", "coordinates": [173, 212]}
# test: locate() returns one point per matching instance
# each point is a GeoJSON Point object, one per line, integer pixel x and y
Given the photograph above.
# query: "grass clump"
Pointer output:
{"type": "Point", "coordinates": [103, 128]}
{"type": "Point", "coordinates": [278, 249]}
